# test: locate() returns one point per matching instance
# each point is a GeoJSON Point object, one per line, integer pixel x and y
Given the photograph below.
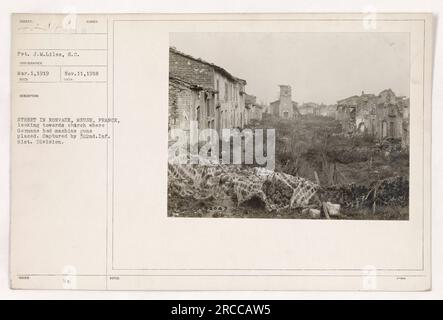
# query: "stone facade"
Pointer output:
{"type": "Point", "coordinates": [181, 100]}
{"type": "Point", "coordinates": [346, 113]}
{"type": "Point", "coordinates": [203, 92]}
{"type": "Point", "coordinates": [384, 115]}
{"type": "Point", "coordinates": [229, 101]}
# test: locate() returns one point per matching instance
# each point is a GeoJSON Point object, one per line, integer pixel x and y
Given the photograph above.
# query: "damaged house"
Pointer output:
{"type": "Point", "coordinates": [327, 110]}
{"type": "Point", "coordinates": [309, 108]}
{"type": "Point", "coordinates": [253, 110]}
{"type": "Point", "coordinates": [312, 108]}
{"type": "Point", "coordinates": [203, 92]}
{"type": "Point", "coordinates": [384, 115]}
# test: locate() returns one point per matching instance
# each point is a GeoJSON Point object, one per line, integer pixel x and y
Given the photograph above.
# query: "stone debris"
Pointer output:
{"type": "Point", "coordinates": [314, 213]}
{"type": "Point", "coordinates": [333, 209]}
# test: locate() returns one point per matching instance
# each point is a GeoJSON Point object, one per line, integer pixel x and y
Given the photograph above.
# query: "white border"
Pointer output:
{"type": "Point", "coordinates": [115, 6]}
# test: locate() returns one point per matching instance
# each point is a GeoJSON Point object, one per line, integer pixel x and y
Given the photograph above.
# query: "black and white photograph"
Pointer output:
{"type": "Point", "coordinates": [289, 125]}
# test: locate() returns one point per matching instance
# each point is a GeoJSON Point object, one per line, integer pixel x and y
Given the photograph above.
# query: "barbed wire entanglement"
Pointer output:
{"type": "Point", "coordinates": [277, 190]}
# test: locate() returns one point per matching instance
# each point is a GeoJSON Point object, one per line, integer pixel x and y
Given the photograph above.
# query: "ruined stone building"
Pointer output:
{"type": "Point", "coordinates": [253, 110]}
{"type": "Point", "coordinates": [327, 110]}
{"type": "Point", "coordinates": [384, 115]}
{"type": "Point", "coordinates": [312, 108]}
{"type": "Point", "coordinates": [346, 110]}
{"type": "Point", "coordinates": [284, 107]}
{"type": "Point", "coordinates": [203, 92]}
{"type": "Point", "coordinates": [309, 108]}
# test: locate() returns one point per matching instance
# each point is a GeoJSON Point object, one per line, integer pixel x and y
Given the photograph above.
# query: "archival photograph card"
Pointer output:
{"type": "Point", "coordinates": [221, 151]}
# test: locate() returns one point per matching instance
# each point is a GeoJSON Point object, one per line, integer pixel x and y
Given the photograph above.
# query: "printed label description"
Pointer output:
{"type": "Point", "coordinates": [57, 130]}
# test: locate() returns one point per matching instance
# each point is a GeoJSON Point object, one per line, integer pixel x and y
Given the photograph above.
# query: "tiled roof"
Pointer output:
{"type": "Point", "coordinates": [216, 67]}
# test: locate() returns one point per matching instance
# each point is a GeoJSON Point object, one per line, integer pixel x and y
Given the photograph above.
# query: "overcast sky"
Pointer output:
{"type": "Point", "coordinates": [320, 67]}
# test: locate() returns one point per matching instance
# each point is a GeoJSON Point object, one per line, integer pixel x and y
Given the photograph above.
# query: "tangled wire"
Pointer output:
{"type": "Point", "coordinates": [276, 190]}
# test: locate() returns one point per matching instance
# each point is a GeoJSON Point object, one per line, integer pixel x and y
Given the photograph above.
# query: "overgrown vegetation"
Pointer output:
{"type": "Point", "coordinates": [316, 145]}
{"type": "Point", "coordinates": [315, 148]}
{"type": "Point", "coordinates": [367, 177]}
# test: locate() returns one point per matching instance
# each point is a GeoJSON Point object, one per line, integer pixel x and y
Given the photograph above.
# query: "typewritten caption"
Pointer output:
{"type": "Point", "coordinates": [61, 130]}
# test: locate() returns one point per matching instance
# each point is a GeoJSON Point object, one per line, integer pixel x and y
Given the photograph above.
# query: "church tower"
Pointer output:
{"type": "Point", "coordinates": [286, 110]}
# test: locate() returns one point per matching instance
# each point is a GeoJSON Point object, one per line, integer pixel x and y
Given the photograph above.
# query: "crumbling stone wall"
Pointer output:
{"type": "Point", "coordinates": [191, 70]}
{"type": "Point", "coordinates": [181, 106]}
{"type": "Point", "coordinates": [381, 115]}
